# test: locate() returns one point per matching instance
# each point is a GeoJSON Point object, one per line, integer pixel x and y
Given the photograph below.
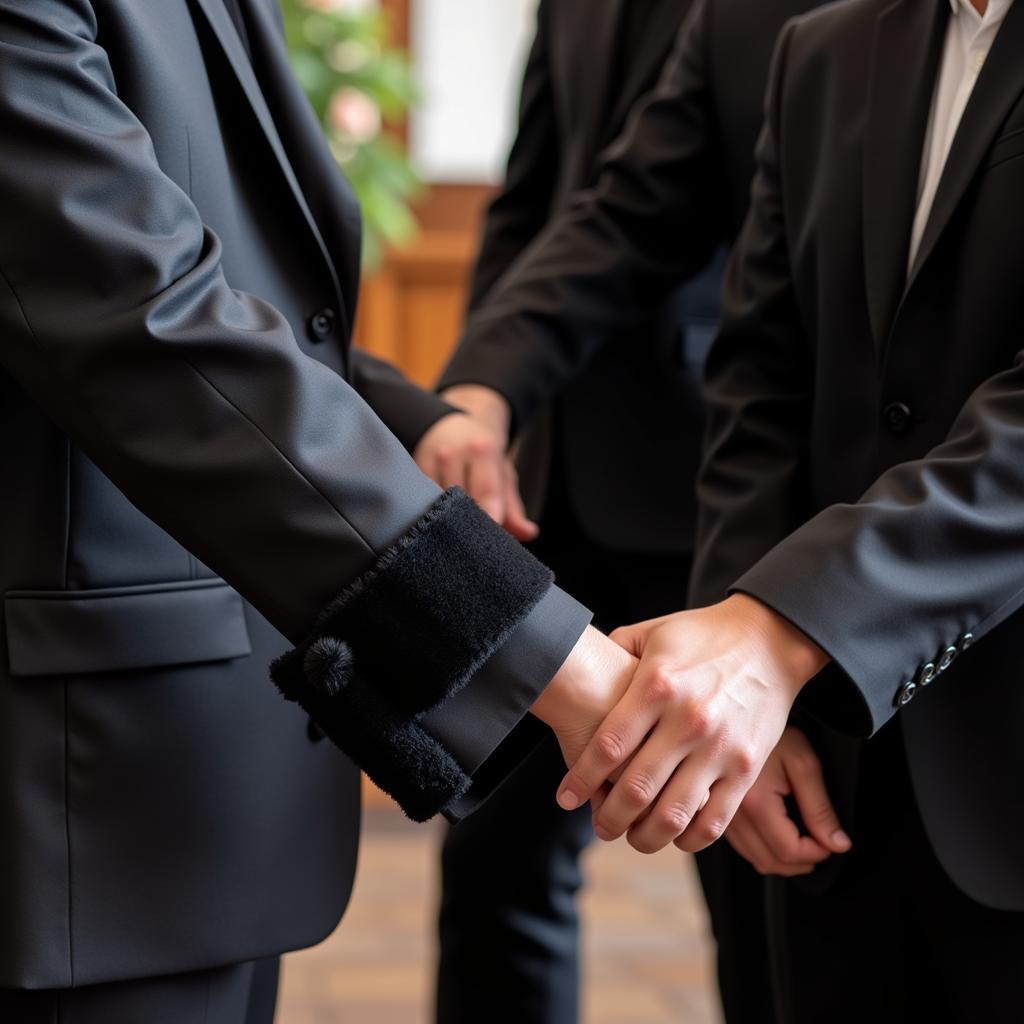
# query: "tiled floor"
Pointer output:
{"type": "Point", "coordinates": [647, 958]}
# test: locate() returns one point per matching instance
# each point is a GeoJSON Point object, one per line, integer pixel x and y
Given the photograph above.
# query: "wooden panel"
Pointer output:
{"type": "Point", "coordinates": [411, 309]}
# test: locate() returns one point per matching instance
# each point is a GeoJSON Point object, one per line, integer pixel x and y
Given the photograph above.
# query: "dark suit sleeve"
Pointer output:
{"type": "Point", "coordinates": [929, 556]}
{"type": "Point", "coordinates": [521, 208]}
{"type": "Point", "coordinates": [197, 402]}
{"type": "Point", "coordinates": [407, 410]}
{"type": "Point", "coordinates": [653, 216]}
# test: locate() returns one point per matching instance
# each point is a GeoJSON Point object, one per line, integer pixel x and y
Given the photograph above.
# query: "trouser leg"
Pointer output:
{"type": "Point", "coordinates": [508, 923]}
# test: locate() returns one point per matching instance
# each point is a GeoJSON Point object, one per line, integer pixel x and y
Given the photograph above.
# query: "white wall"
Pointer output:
{"type": "Point", "coordinates": [469, 56]}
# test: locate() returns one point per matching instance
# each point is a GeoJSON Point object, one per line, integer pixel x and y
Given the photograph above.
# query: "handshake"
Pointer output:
{"type": "Point", "coordinates": [674, 729]}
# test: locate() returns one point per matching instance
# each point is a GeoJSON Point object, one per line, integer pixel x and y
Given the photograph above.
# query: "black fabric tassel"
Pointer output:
{"type": "Point", "coordinates": [398, 754]}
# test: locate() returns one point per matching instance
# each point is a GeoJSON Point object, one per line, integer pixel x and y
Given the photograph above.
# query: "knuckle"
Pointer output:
{"type": "Point", "coordinates": [484, 447]}
{"type": "Point", "coordinates": [638, 789]}
{"type": "Point", "coordinates": [711, 831]}
{"type": "Point", "coordinates": [661, 685]}
{"type": "Point", "coordinates": [806, 763]}
{"type": "Point", "coordinates": [673, 818]}
{"type": "Point", "coordinates": [821, 813]}
{"type": "Point", "coordinates": [700, 722]}
{"type": "Point", "coordinates": [610, 747]}
{"type": "Point", "coordinates": [746, 760]}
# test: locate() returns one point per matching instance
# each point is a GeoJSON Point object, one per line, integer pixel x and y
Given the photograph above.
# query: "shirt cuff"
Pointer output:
{"type": "Point", "coordinates": [478, 725]}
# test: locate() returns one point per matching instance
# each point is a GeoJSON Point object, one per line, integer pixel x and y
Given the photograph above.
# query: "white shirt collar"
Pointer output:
{"type": "Point", "coordinates": [996, 9]}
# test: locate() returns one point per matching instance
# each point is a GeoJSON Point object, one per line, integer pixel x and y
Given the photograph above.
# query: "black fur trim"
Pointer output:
{"type": "Point", "coordinates": [436, 605]}
{"type": "Point", "coordinates": [394, 750]}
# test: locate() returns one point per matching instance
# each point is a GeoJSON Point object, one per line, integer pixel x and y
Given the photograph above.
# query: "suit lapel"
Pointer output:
{"type": "Point", "coordinates": [219, 21]}
{"type": "Point", "coordinates": [904, 65]}
{"type": "Point", "coordinates": [997, 90]}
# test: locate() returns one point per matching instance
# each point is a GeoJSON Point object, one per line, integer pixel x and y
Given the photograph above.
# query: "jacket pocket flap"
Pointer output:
{"type": "Point", "coordinates": [74, 632]}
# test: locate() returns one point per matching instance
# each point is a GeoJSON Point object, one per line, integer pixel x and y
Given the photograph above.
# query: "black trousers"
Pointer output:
{"type": "Point", "coordinates": [240, 994]}
{"type": "Point", "coordinates": [510, 873]}
{"type": "Point", "coordinates": [892, 938]}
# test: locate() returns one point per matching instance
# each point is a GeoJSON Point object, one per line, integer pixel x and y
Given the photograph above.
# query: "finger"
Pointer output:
{"type": "Point", "coordinates": [749, 845]}
{"type": "Point", "coordinates": [709, 824]}
{"type": "Point", "coordinates": [641, 781]}
{"type": "Point", "coordinates": [451, 469]}
{"type": "Point", "coordinates": [675, 808]}
{"type": "Point", "coordinates": [767, 814]}
{"type": "Point", "coordinates": [597, 801]}
{"type": "Point", "coordinates": [484, 480]}
{"type": "Point", "coordinates": [746, 842]}
{"type": "Point", "coordinates": [633, 638]}
{"type": "Point", "coordinates": [618, 736]}
{"type": "Point", "coordinates": [516, 520]}
{"type": "Point", "coordinates": [805, 776]}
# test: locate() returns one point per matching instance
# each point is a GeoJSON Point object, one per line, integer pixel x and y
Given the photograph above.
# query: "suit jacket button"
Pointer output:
{"type": "Point", "coordinates": [905, 694]}
{"type": "Point", "coordinates": [313, 731]}
{"type": "Point", "coordinates": [926, 674]}
{"type": "Point", "coordinates": [897, 417]}
{"type": "Point", "coordinates": [965, 641]}
{"type": "Point", "coordinates": [947, 659]}
{"type": "Point", "coordinates": [321, 324]}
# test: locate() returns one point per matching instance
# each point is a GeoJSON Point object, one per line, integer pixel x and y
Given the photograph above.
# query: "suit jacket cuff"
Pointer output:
{"type": "Point", "coordinates": [485, 724]}
{"type": "Point", "coordinates": [409, 634]}
{"type": "Point", "coordinates": [816, 585]}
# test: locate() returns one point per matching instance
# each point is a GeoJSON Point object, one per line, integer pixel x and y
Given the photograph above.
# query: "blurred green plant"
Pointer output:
{"type": "Point", "coordinates": [358, 83]}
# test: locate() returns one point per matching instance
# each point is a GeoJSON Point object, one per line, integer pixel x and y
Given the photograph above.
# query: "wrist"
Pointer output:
{"type": "Point", "coordinates": [589, 683]}
{"type": "Point", "coordinates": [484, 404]}
{"type": "Point", "coordinates": [795, 657]}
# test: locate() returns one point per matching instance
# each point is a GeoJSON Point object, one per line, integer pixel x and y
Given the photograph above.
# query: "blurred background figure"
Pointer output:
{"type": "Point", "coordinates": [615, 525]}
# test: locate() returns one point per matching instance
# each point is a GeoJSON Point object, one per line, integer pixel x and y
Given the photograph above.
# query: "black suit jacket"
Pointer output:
{"type": "Point", "coordinates": [178, 273]}
{"type": "Point", "coordinates": [610, 414]}
{"type": "Point", "coordinates": [865, 466]}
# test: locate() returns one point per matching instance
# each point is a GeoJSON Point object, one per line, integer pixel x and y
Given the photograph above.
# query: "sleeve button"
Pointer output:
{"type": "Point", "coordinates": [321, 324]}
{"type": "Point", "coordinates": [947, 659]}
{"type": "Point", "coordinates": [905, 694]}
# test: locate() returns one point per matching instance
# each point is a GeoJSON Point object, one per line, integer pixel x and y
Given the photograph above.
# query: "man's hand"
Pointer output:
{"type": "Point", "coordinates": [704, 710]}
{"type": "Point", "coordinates": [590, 683]}
{"type": "Point", "coordinates": [763, 832]}
{"type": "Point", "coordinates": [470, 451]}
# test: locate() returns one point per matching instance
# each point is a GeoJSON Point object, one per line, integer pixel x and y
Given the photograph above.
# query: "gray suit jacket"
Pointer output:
{"type": "Point", "coordinates": [188, 478]}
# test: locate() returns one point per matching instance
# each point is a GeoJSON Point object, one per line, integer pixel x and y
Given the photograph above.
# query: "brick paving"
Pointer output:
{"type": "Point", "coordinates": [646, 953]}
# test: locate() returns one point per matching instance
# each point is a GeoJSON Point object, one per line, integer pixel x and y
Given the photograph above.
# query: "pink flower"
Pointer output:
{"type": "Point", "coordinates": [337, 5]}
{"type": "Point", "coordinates": [354, 115]}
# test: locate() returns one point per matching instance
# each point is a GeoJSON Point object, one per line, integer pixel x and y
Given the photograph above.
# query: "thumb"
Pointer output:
{"type": "Point", "coordinates": [805, 776]}
{"type": "Point", "coordinates": [634, 638]}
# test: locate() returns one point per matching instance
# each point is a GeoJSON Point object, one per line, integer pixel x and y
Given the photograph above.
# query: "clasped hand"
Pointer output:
{"type": "Point", "coordinates": [687, 734]}
{"type": "Point", "coordinates": [668, 726]}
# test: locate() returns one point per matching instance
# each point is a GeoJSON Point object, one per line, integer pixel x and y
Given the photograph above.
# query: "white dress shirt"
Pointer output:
{"type": "Point", "coordinates": [969, 37]}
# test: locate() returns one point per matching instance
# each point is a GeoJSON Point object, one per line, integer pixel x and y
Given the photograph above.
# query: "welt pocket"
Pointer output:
{"type": "Point", "coordinates": [74, 632]}
{"type": "Point", "coordinates": [1006, 147]}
